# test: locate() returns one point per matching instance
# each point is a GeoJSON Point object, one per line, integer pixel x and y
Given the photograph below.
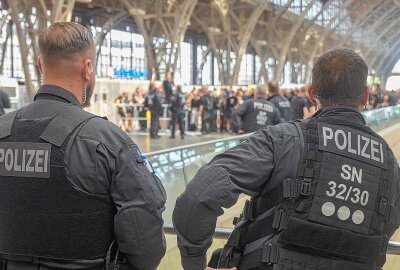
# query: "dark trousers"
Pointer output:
{"type": "Point", "coordinates": [206, 123]}
{"type": "Point", "coordinates": [154, 124]}
{"type": "Point", "coordinates": [180, 118]}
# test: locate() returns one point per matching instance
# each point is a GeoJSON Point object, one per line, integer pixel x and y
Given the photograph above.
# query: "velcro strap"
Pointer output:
{"type": "Point", "coordinates": [289, 188]}
{"type": "Point", "coordinates": [64, 124]}
{"type": "Point", "coordinates": [333, 242]}
{"type": "Point", "coordinates": [270, 254]}
{"type": "Point", "coordinates": [6, 122]}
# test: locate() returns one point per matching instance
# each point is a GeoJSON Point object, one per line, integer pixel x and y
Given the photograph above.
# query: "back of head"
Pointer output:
{"type": "Point", "coordinates": [339, 76]}
{"type": "Point", "coordinates": [261, 91]}
{"type": "Point", "coordinates": [273, 87]}
{"type": "Point", "coordinates": [63, 41]}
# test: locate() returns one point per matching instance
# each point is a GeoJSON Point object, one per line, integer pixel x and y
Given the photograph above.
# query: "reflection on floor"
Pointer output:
{"type": "Point", "coordinates": [147, 145]}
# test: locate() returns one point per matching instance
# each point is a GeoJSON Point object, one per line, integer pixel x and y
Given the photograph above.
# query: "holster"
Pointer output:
{"type": "Point", "coordinates": [115, 260]}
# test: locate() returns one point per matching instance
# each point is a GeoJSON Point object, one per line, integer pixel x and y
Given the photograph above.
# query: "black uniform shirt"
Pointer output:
{"type": "Point", "coordinates": [298, 104]}
{"type": "Point", "coordinates": [103, 162]}
{"type": "Point", "coordinates": [283, 105]}
{"type": "Point", "coordinates": [261, 162]}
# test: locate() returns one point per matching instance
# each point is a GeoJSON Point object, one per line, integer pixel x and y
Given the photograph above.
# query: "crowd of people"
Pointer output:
{"type": "Point", "coordinates": [226, 110]}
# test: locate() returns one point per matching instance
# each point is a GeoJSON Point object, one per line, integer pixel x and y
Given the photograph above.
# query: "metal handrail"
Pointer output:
{"type": "Point", "coordinates": [159, 152]}
{"type": "Point", "coordinates": [223, 233]}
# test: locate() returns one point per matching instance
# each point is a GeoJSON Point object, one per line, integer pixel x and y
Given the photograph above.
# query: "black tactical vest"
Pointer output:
{"type": "Point", "coordinates": [42, 215]}
{"type": "Point", "coordinates": [334, 215]}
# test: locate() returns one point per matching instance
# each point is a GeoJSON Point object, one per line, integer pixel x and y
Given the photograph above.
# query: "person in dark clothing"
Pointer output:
{"type": "Point", "coordinates": [231, 103]}
{"type": "Point", "coordinates": [167, 85]}
{"type": "Point", "coordinates": [78, 186]}
{"type": "Point", "coordinates": [206, 109]}
{"type": "Point", "coordinates": [299, 105]}
{"type": "Point", "coordinates": [4, 101]}
{"type": "Point", "coordinates": [178, 102]}
{"type": "Point", "coordinates": [296, 174]}
{"type": "Point", "coordinates": [257, 113]}
{"type": "Point", "coordinates": [279, 101]}
{"type": "Point", "coordinates": [393, 98]}
{"type": "Point", "coordinates": [153, 103]}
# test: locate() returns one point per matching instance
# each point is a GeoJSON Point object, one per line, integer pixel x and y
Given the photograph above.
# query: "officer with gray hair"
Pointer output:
{"type": "Point", "coordinates": [325, 191]}
{"type": "Point", "coordinates": [75, 191]}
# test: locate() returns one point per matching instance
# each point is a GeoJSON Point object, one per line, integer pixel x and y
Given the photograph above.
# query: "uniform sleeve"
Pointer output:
{"type": "Point", "coordinates": [106, 161]}
{"type": "Point", "coordinates": [140, 198]}
{"type": "Point", "coordinates": [277, 117]}
{"type": "Point", "coordinates": [217, 185]}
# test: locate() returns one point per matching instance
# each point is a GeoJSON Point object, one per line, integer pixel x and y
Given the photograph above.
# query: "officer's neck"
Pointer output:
{"type": "Point", "coordinates": [75, 87]}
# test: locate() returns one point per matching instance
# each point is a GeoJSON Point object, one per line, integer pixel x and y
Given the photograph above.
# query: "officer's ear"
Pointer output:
{"type": "Point", "coordinates": [311, 94]}
{"type": "Point", "coordinates": [39, 64]}
{"type": "Point", "coordinates": [364, 97]}
{"type": "Point", "coordinates": [88, 69]}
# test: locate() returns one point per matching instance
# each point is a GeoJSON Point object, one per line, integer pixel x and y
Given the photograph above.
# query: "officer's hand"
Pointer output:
{"type": "Point", "coordinates": [209, 268]}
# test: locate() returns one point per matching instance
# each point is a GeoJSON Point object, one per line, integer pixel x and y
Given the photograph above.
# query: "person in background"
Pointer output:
{"type": "Point", "coordinates": [231, 103]}
{"type": "Point", "coordinates": [298, 104]}
{"type": "Point", "coordinates": [127, 103]}
{"type": "Point", "coordinates": [4, 101]}
{"type": "Point", "coordinates": [385, 100]}
{"type": "Point", "coordinates": [138, 100]}
{"type": "Point", "coordinates": [206, 110]}
{"type": "Point", "coordinates": [215, 119]}
{"type": "Point", "coordinates": [194, 110]}
{"type": "Point", "coordinates": [257, 113]}
{"type": "Point", "coordinates": [222, 110]}
{"type": "Point", "coordinates": [153, 103]}
{"type": "Point", "coordinates": [178, 102]}
{"type": "Point", "coordinates": [279, 101]}
{"type": "Point", "coordinates": [375, 98]}
{"type": "Point", "coordinates": [119, 102]}
{"type": "Point", "coordinates": [168, 85]}
{"type": "Point", "coordinates": [393, 98]}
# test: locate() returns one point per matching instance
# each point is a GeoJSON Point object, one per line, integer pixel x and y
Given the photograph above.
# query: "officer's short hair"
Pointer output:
{"type": "Point", "coordinates": [63, 40]}
{"type": "Point", "coordinates": [261, 90]}
{"type": "Point", "coordinates": [273, 87]}
{"type": "Point", "coordinates": [339, 76]}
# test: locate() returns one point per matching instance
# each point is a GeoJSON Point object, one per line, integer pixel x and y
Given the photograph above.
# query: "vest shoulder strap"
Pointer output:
{"type": "Point", "coordinates": [6, 122]}
{"type": "Point", "coordinates": [64, 123]}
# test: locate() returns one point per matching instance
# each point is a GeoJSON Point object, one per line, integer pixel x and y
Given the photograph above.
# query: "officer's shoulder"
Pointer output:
{"type": "Point", "coordinates": [104, 131]}
{"type": "Point", "coordinates": [283, 129]}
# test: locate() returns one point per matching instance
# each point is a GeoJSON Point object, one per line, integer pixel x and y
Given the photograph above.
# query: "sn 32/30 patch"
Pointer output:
{"type": "Point", "coordinates": [346, 193]}
{"type": "Point", "coordinates": [25, 159]}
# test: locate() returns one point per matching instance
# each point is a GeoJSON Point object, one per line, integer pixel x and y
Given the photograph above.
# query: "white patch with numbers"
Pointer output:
{"type": "Point", "coordinates": [345, 194]}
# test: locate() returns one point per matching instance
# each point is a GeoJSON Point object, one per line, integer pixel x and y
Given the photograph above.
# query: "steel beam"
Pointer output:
{"type": "Point", "coordinates": [288, 42]}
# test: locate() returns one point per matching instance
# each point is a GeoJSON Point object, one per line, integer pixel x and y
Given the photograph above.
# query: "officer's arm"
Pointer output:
{"type": "Point", "coordinates": [244, 169]}
{"type": "Point", "coordinates": [140, 198]}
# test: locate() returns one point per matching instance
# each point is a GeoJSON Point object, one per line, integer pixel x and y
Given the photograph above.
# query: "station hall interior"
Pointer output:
{"type": "Point", "coordinates": [222, 48]}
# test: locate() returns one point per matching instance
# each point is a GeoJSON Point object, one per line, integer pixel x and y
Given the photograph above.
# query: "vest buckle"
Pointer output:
{"type": "Point", "coordinates": [305, 188]}
{"type": "Point", "coordinates": [270, 254]}
{"type": "Point", "coordinates": [382, 206]}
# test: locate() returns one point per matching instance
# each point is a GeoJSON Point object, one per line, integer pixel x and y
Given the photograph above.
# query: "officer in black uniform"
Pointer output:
{"type": "Point", "coordinates": [258, 113]}
{"type": "Point", "coordinates": [325, 190]}
{"type": "Point", "coordinates": [153, 102]}
{"type": "Point", "coordinates": [178, 101]}
{"type": "Point", "coordinates": [75, 191]}
{"type": "Point", "coordinates": [282, 103]}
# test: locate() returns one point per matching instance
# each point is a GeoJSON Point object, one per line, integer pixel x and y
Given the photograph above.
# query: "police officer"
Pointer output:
{"type": "Point", "coordinates": [257, 113]}
{"type": "Point", "coordinates": [153, 102]}
{"type": "Point", "coordinates": [4, 101]}
{"type": "Point", "coordinates": [280, 102]}
{"type": "Point", "coordinates": [74, 187]}
{"type": "Point", "coordinates": [178, 102]}
{"type": "Point", "coordinates": [325, 190]}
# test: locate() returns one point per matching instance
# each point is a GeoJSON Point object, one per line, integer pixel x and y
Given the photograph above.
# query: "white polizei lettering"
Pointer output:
{"type": "Point", "coordinates": [359, 144]}
{"type": "Point", "coordinates": [39, 160]}
{"type": "Point", "coordinates": [327, 136]}
{"type": "Point", "coordinates": [23, 159]}
{"type": "Point", "coordinates": [374, 150]}
{"type": "Point", "coordinates": [346, 169]}
{"type": "Point", "coordinates": [31, 154]}
{"type": "Point", "coordinates": [1, 155]}
{"type": "Point", "coordinates": [367, 141]}
{"type": "Point", "coordinates": [357, 174]}
{"type": "Point", "coordinates": [381, 146]}
{"type": "Point", "coordinates": [353, 151]}
{"type": "Point", "coordinates": [17, 167]}
{"type": "Point", "coordinates": [8, 160]}
{"type": "Point", "coordinates": [46, 159]}
{"type": "Point", "coordinates": [343, 146]}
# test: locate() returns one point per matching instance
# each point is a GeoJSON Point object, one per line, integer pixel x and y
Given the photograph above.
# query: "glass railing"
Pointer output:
{"type": "Point", "coordinates": [382, 118]}
{"type": "Point", "coordinates": [177, 166]}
